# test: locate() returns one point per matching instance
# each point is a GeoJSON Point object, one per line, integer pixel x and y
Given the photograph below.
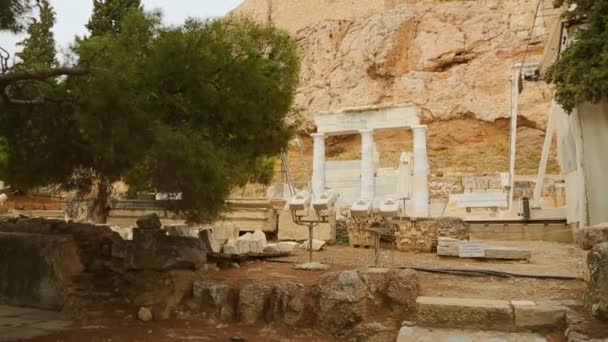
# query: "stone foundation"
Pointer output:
{"type": "Point", "coordinates": [339, 303]}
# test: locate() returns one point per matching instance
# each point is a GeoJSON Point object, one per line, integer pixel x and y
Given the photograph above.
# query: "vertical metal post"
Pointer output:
{"type": "Point", "coordinates": [542, 168]}
{"type": "Point", "coordinates": [515, 86]}
{"type": "Point", "coordinates": [377, 245]}
{"type": "Point", "coordinates": [310, 225]}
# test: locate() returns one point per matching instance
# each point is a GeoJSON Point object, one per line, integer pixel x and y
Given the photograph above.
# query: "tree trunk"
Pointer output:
{"type": "Point", "coordinates": [100, 208]}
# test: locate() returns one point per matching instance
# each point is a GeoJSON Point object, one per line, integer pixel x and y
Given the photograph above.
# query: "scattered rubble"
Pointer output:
{"type": "Point", "coordinates": [144, 314]}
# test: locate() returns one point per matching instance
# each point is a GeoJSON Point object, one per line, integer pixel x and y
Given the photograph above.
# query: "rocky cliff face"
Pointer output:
{"type": "Point", "coordinates": [452, 59]}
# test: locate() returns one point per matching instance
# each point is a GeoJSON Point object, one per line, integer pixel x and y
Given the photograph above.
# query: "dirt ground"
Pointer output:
{"type": "Point", "coordinates": [543, 262]}
{"type": "Point", "coordinates": [547, 259]}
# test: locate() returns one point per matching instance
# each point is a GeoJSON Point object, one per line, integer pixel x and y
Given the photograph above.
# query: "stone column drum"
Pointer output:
{"type": "Point", "coordinates": [368, 174]}
{"type": "Point", "coordinates": [318, 165]}
{"type": "Point", "coordinates": [421, 169]}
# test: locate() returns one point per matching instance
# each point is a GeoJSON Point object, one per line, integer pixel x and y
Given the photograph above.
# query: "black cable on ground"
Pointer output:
{"type": "Point", "coordinates": [467, 272]}
{"type": "Point", "coordinates": [489, 273]}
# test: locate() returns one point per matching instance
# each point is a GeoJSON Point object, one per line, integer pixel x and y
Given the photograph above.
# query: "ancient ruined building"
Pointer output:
{"type": "Point", "coordinates": [451, 59]}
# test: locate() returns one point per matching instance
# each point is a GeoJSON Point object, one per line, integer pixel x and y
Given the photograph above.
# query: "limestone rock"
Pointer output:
{"type": "Point", "coordinates": [530, 315]}
{"type": "Point", "coordinates": [287, 302]}
{"type": "Point", "coordinates": [402, 288]}
{"type": "Point", "coordinates": [257, 242]}
{"type": "Point", "coordinates": [596, 296]}
{"type": "Point", "coordinates": [392, 51]}
{"type": "Point", "coordinates": [243, 244]}
{"type": "Point", "coordinates": [217, 296]}
{"type": "Point", "coordinates": [152, 249]}
{"type": "Point", "coordinates": [211, 244]}
{"type": "Point", "coordinates": [160, 291]}
{"type": "Point", "coordinates": [286, 246]}
{"type": "Point", "coordinates": [225, 231]}
{"type": "Point", "coordinates": [253, 298]}
{"type": "Point", "coordinates": [181, 230]}
{"type": "Point", "coordinates": [144, 314]}
{"type": "Point", "coordinates": [316, 245]}
{"type": "Point", "coordinates": [230, 247]}
{"type": "Point", "coordinates": [341, 299]}
{"type": "Point", "coordinates": [589, 237]}
{"type": "Point", "coordinates": [271, 248]}
{"type": "Point", "coordinates": [312, 266]}
{"type": "Point", "coordinates": [464, 313]}
{"type": "Point", "coordinates": [149, 221]}
{"type": "Point", "coordinates": [507, 253]}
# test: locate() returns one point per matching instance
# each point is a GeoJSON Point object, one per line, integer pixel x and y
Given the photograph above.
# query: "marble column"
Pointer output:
{"type": "Point", "coordinates": [421, 170]}
{"type": "Point", "coordinates": [368, 174]}
{"type": "Point", "coordinates": [318, 165]}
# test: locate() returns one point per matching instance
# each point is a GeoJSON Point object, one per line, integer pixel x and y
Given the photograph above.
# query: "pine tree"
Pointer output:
{"type": "Point", "coordinates": [12, 13]}
{"type": "Point", "coordinates": [108, 15]}
{"type": "Point", "coordinates": [39, 47]}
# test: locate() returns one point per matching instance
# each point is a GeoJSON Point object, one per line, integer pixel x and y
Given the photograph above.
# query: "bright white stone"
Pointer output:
{"type": "Point", "coordinates": [287, 246]}
{"type": "Point", "coordinates": [257, 242]}
{"type": "Point", "coordinates": [316, 245]}
{"type": "Point", "coordinates": [230, 247]}
{"type": "Point", "coordinates": [243, 243]}
{"type": "Point", "coordinates": [271, 248]}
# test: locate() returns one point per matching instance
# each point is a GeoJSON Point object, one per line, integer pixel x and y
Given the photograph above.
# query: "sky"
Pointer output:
{"type": "Point", "coordinates": [72, 15]}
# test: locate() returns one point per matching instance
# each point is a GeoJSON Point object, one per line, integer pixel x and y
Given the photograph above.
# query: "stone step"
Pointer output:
{"type": "Point", "coordinates": [484, 314]}
{"type": "Point", "coordinates": [507, 253]}
{"type": "Point", "coordinates": [422, 334]}
{"type": "Point", "coordinates": [489, 314]}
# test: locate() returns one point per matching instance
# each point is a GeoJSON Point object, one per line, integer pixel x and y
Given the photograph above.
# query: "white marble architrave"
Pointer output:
{"type": "Point", "coordinates": [368, 174]}
{"type": "Point", "coordinates": [318, 165]}
{"type": "Point", "coordinates": [421, 169]}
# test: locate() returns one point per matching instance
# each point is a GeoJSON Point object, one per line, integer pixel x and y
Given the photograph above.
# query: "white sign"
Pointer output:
{"type": "Point", "coordinates": [471, 249]}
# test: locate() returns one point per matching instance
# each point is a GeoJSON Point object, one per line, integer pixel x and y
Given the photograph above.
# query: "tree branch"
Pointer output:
{"type": "Point", "coordinates": [40, 75]}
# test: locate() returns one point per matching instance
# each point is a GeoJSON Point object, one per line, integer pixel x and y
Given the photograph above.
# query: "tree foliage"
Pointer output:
{"type": "Point", "coordinates": [35, 133]}
{"type": "Point", "coordinates": [108, 15]}
{"type": "Point", "coordinates": [581, 73]}
{"type": "Point", "coordinates": [195, 109]}
{"type": "Point", "coordinates": [205, 103]}
{"type": "Point", "coordinates": [11, 14]}
{"type": "Point", "coordinates": [39, 47]}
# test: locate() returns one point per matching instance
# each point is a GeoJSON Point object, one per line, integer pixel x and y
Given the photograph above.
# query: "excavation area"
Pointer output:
{"type": "Point", "coordinates": [406, 296]}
